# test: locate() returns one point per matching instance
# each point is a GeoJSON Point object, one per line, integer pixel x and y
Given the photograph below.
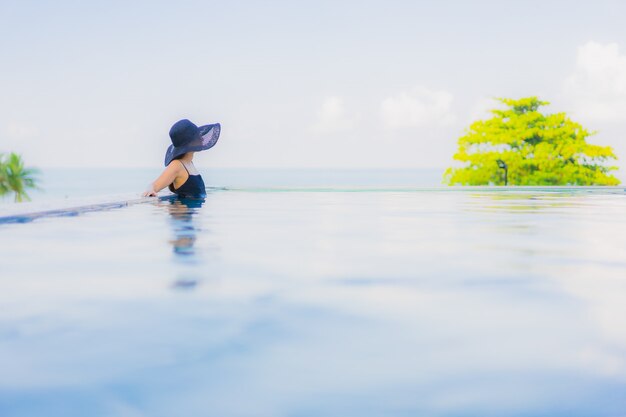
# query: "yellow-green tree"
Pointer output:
{"type": "Point", "coordinates": [530, 148]}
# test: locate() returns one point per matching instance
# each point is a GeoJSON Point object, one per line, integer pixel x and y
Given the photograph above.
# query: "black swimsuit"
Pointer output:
{"type": "Point", "coordinates": [192, 188]}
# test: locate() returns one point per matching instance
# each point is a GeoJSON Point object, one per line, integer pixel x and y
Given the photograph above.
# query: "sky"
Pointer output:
{"type": "Point", "coordinates": [324, 84]}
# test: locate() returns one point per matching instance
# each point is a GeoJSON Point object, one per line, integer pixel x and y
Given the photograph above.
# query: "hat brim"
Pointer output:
{"type": "Point", "coordinates": [207, 138]}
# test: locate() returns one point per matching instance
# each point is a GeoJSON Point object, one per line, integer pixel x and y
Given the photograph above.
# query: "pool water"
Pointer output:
{"type": "Point", "coordinates": [311, 302]}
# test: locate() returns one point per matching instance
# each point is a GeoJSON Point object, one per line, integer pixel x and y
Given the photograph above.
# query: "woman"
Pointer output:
{"type": "Point", "coordinates": [180, 175]}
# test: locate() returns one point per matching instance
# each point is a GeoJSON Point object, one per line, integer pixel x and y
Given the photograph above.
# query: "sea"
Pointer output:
{"type": "Point", "coordinates": [69, 183]}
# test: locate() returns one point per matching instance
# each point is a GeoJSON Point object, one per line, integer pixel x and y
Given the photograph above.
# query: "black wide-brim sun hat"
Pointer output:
{"type": "Point", "coordinates": [187, 137]}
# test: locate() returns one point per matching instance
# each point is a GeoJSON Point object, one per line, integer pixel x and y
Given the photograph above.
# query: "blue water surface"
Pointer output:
{"type": "Point", "coordinates": [305, 302]}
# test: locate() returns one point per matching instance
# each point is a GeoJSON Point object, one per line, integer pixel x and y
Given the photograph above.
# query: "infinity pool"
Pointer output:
{"type": "Point", "coordinates": [311, 302]}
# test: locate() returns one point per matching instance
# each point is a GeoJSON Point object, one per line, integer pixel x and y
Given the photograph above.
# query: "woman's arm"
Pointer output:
{"type": "Point", "coordinates": [166, 178]}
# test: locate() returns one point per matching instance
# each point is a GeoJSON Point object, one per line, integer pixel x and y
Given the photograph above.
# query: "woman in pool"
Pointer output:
{"type": "Point", "coordinates": [180, 175]}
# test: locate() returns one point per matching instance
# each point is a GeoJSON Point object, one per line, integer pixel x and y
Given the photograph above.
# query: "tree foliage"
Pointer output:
{"type": "Point", "coordinates": [15, 178]}
{"type": "Point", "coordinates": [536, 148]}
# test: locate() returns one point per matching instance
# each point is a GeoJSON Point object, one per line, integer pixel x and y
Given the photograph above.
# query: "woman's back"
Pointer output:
{"type": "Point", "coordinates": [193, 186]}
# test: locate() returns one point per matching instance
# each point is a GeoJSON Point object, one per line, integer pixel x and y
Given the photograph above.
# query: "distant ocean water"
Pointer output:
{"type": "Point", "coordinates": [62, 183]}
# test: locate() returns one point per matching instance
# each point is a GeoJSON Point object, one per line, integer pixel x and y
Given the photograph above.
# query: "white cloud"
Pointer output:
{"type": "Point", "coordinates": [597, 88]}
{"type": "Point", "coordinates": [19, 131]}
{"type": "Point", "coordinates": [418, 107]}
{"type": "Point", "coordinates": [333, 117]}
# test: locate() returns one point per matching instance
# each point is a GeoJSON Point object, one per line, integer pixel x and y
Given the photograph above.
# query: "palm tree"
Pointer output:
{"type": "Point", "coordinates": [14, 177]}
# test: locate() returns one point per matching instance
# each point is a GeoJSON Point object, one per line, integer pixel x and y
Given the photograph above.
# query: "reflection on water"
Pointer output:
{"type": "Point", "coordinates": [182, 212]}
{"type": "Point", "coordinates": [183, 217]}
{"type": "Point", "coordinates": [521, 202]}
{"type": "Point", "coordinates": [327, 304]}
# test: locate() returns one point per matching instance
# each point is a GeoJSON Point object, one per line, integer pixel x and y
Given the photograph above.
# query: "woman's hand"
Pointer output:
{"type": "Point", "coordinates": [148, 194]}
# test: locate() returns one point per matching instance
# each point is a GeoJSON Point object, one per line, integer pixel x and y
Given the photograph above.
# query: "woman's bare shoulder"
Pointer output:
{"type": "Point", "coordinates": [175, 165]}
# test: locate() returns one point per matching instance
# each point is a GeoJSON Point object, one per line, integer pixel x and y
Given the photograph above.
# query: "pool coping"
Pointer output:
{"type": "Point", "coordinates": [75, 210]}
